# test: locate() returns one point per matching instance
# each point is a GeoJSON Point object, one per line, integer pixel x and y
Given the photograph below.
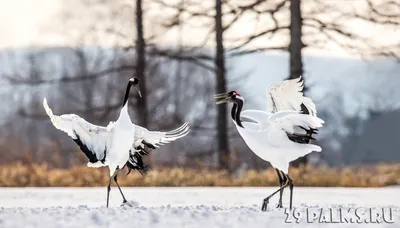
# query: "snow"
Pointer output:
{"type": "Point", "coordinates": [178, 207]}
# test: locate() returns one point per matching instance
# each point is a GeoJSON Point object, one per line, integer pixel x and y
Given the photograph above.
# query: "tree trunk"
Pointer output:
{"type": "Point", "coordinates": [140, 73]}
{"type": "Point", "coordinates": [141, 66]}
{"type": "Point", "coordinates": [296, 63]}
{"type": "Point", "coordinates": [222, 124]}
{"type": "Point", "coordinates": [178, 77]}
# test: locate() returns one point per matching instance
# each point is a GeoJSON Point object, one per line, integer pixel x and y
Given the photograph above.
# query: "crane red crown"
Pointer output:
{"type": "Point", "coordinates": [235, 93]}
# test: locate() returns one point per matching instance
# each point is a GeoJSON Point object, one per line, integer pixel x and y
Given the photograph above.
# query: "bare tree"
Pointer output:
{"type": "Point", "coordinates": [90, 79]}
{"type": "Point", "coordinates": [295, 47]}
{"type": "Point", "coordinates": [141, 65]}
{"type": "Point", "coordinates": [222, 121]}
{"type": "Point", "coordinates": [296, 63]}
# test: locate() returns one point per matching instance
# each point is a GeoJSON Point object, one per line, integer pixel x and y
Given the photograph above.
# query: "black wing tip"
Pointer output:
{"type": "Point", "coordinates": [89, 154]}
{"type": "Point", "coordinates": [302, 139]}
{"type": "Point", "coordinates": [304, 109]}
{"type": "Point", "coordinates": [310, 131]}
{"type": "Point", "coordinates": [149, 145]}
{"type": "Point", "coordinates": [135, 162]}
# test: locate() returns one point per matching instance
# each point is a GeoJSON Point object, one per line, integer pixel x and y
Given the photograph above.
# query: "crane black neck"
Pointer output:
{"type": "Point", "coordinates": [236, 110]}
{"type": "Point", "coordinates": [128, 88]}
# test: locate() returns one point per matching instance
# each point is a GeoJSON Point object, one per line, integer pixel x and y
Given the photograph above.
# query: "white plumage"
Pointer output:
{"type": "Point", "coordinates": [96, 141]}
{"type": "Point", "coordinates": [268, 137]}
{"type": "Point", "coordinates": [96, 138]}
{"type": "Point", "coordinates": [104, 146]}
{"type": "Point", "coordinates": [159, 138]}
{"type": "Point", "coordinates": [288, 95]}
{"type": "Point", "coordinates": [120, 144]}
{"type": "Point", "coordinates": [281, 134]}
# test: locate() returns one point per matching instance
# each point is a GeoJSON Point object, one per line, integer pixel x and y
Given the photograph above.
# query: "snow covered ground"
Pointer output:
{"type": "Point", "coordinates": [180, 207]}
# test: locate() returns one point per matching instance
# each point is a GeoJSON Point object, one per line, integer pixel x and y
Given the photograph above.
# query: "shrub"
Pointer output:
{"type": "Point", "coordinates": [35, 175]}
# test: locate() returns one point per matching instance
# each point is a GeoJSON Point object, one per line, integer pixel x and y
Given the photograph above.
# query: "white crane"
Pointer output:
{"type": "Point", "coordinates": [120, 143]}
{"type": "Point", "coordinates": [280, 135]}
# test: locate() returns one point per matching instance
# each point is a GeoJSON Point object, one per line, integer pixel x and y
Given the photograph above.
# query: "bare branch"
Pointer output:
{"type": "Point", "coordinates": [251, 51]}
{"type": "Point", "coordinates": [251, 38]}
{"type": "Point", "coordinates": [88, 77]}
{"type": "Point", "coordinates": [197, 59]}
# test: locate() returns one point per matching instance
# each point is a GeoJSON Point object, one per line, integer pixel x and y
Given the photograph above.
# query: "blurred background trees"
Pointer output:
{"type": "Point", "coordinates": [184, 51]}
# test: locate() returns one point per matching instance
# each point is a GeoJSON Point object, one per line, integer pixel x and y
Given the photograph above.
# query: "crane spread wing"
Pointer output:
{"type": "Point", "coordinates": [292, 125]}
{"type": "Point", "coordinates": [146, 140]}
{"type": "Point", "coordinates": [154, 139]}
{"type": "Point", "coordinates": [91, 139]}
{"type": "Point", "coordinates": [288, 95]}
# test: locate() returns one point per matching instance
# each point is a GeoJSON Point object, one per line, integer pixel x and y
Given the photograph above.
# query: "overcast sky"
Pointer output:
{"type": "Point", "coordinates": [22, 22]}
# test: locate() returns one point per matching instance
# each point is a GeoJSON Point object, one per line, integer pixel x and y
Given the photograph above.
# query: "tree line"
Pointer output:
{"type": "Point", "coordinates": [135, 28]}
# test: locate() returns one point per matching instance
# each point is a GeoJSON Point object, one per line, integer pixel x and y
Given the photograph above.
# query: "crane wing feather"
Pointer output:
{"type": "Point", "coordinates": [288, 95]}
{"type": "Point", "coordinates": [91, 139]}
{"type": "Point", "coordinates": [258, 116]}
{"type": "Point", "coordinates": [293, 125]}
{"type": "Point", "coordinates": [158, 138]}
{"type": "Point", "coordinates": [152, 140]}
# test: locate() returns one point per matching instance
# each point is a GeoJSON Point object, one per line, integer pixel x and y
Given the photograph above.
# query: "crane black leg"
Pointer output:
{"type": "Point", "coordinates": [281, 183]}
{"type": "Point", "coordinates": [109, 185]}
{"type": "Point", "coordinates": [284, 178]}
{"type": "Point", "coordinates": [291, 190]}
{"type": "Point", "coordinates": [286, 183]}
{"type": "Point", "coordinates": [108, 190]}
{"type": "Point", "coordinates": [266, 200]}
{"type": "Point", "coordinates": [116, 181]}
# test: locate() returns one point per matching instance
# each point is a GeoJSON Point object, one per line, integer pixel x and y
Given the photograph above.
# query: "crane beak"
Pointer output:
{"type": "Point", "coordinates": [221, 95]}
{"type": "Point", "coordinates": [138, 90]}
{"type": "Point", "coordinates": [224, 96]}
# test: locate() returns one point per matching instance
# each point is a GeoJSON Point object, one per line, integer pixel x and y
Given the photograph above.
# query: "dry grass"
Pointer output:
{"type": "Point", "coordinates": [19, 175]}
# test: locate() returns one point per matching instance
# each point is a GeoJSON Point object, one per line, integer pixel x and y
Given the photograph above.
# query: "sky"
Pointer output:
{"type": "Point", "coordinates": [22, 23]}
